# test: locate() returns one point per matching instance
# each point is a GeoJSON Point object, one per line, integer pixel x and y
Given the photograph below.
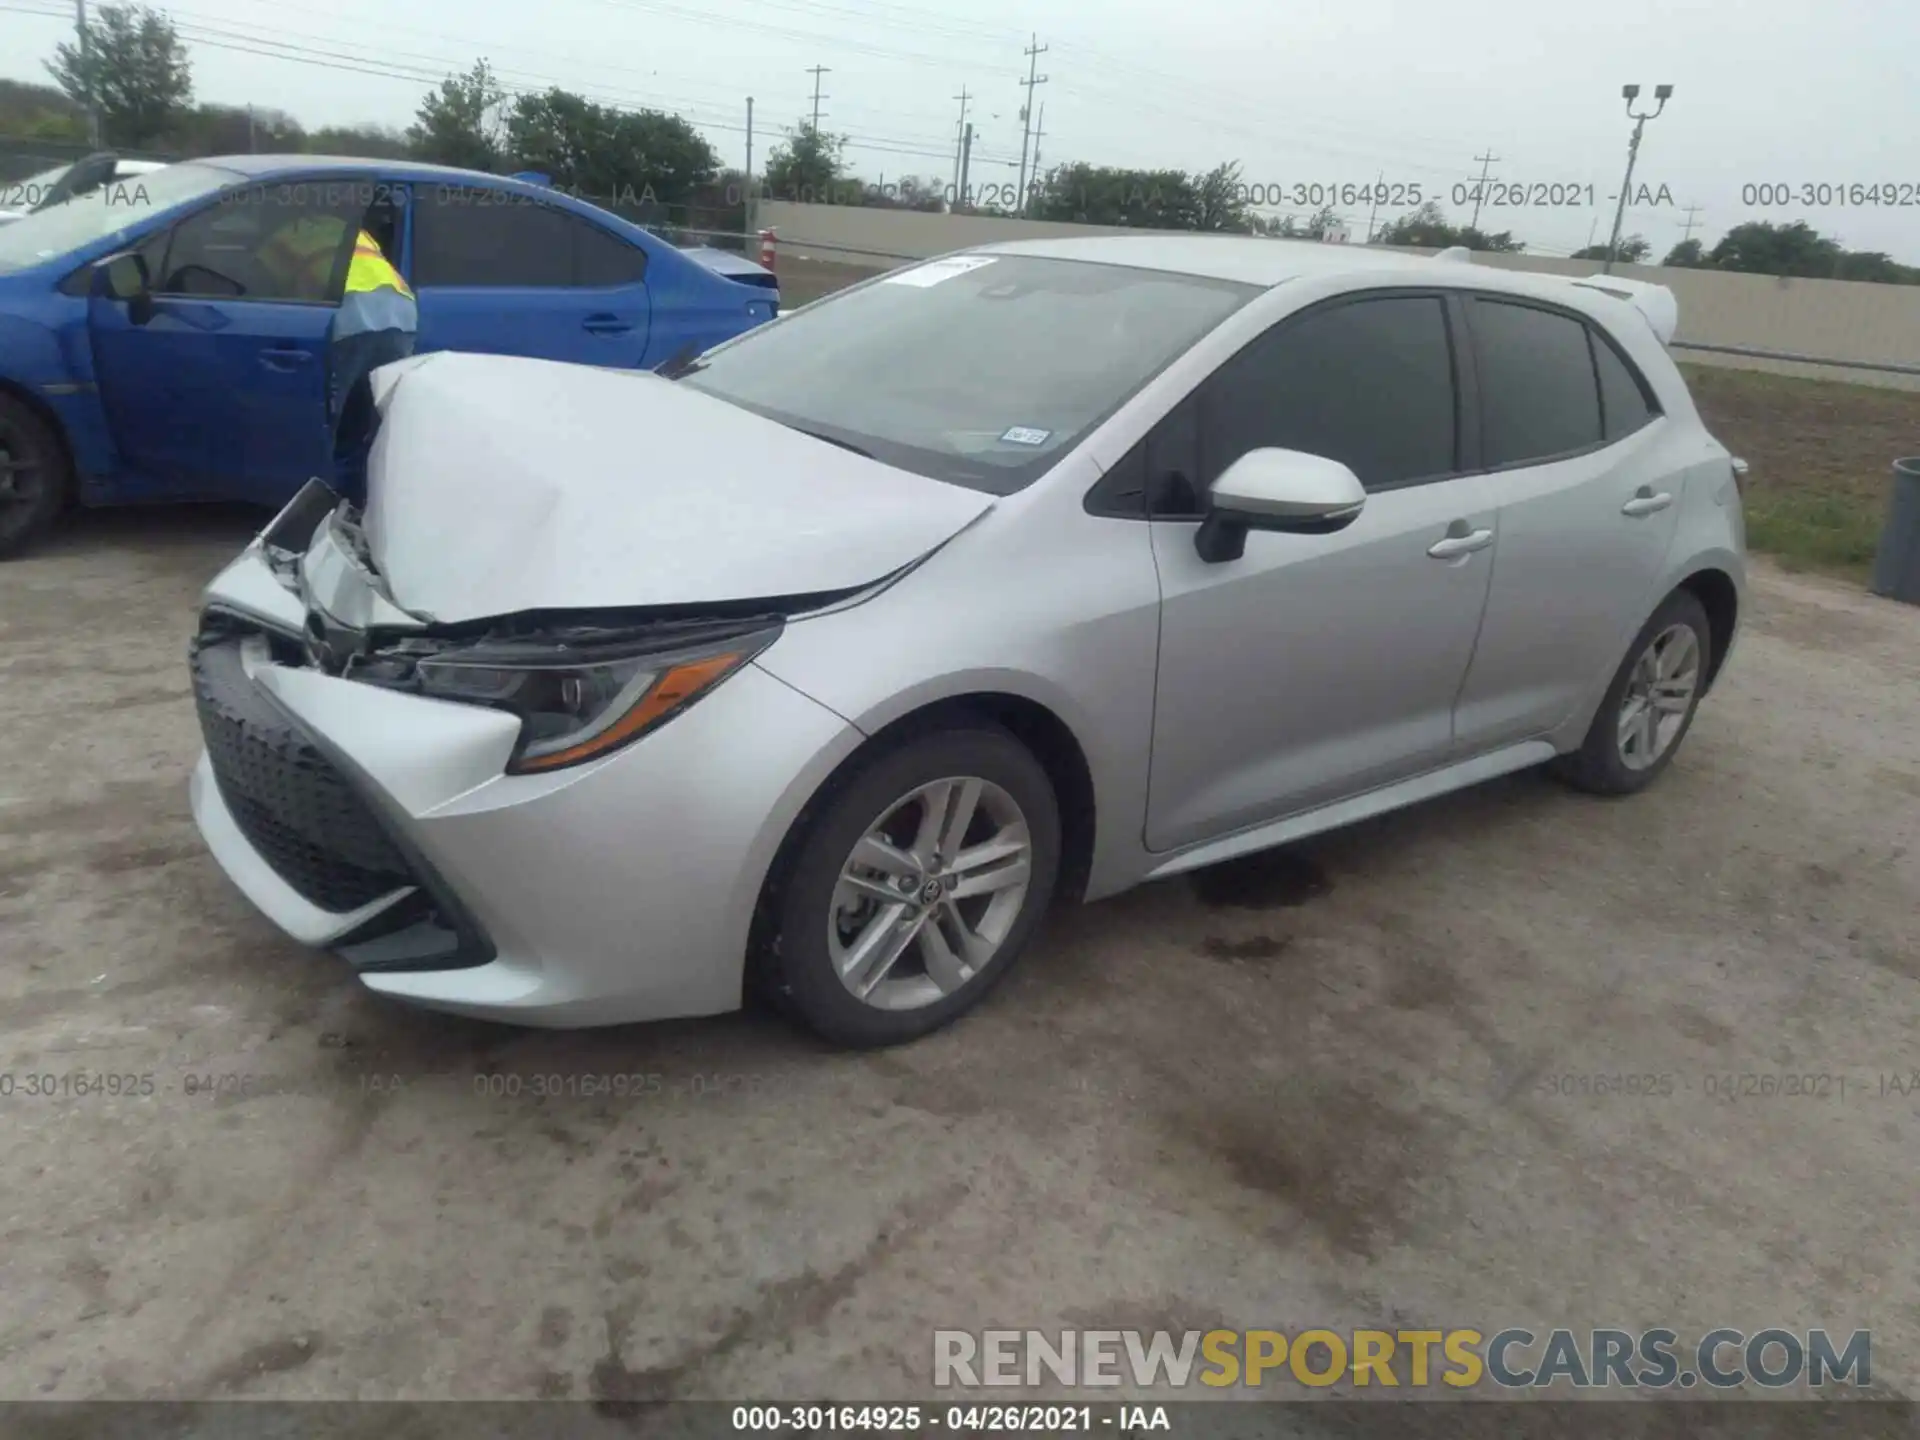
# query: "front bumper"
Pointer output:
{"type": "Point", "coordinates": [382, 826]}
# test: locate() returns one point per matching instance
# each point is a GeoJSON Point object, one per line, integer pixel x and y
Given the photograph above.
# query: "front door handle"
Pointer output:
{"type": "Point", "coordinates": [1459, 541]}
{"type": "Point", "coordinates": [286, 357]}
{"type": "Point", "coordinates": [1645, 502]}
{"type": "Point", "coordinates": [606, 325]}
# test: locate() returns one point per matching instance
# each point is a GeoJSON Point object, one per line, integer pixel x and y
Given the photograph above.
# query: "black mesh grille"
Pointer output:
{"type": "Point", "coordinates": [287, 797]}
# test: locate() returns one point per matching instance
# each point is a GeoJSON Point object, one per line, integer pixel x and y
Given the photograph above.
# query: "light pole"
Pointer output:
{"type": "Point", "coordinates": [1631, 93]}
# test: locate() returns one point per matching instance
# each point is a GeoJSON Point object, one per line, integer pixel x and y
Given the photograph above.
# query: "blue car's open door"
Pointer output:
{"type": "Point", "coordinates": [214, 377]}
{"type": "Point", "coordinates": [216, 398]}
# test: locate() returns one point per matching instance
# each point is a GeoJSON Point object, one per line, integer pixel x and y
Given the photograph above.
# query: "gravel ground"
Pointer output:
{"type": "Point", "coordinates": [1315, 1088]}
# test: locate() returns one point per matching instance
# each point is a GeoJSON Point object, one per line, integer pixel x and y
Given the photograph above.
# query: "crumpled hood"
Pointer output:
{"type": "Point", "coordinates": [499, 484]}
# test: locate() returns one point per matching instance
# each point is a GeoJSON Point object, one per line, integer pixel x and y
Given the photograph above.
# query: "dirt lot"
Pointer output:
{"type": "Point", "coordinates": [1822, 455]}
{"type": "Point", "coordinates": [1317, 1088]}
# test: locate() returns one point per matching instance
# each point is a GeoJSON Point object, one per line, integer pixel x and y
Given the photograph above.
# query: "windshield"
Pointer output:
{"type": "Point", "coordinates": [981, 370]}
{"type": "Point", "coordinates": [32, 192]}
{"type": "Point", "coordinates": [50, 233]}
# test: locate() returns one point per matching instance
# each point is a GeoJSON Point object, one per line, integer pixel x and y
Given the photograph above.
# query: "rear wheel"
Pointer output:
{"type": "Point", "coordinates": [33, 476]}
{"type": "Point", "coordinates": [1650, 705]}
{"type": "Point", "coordinates": [916, 887]}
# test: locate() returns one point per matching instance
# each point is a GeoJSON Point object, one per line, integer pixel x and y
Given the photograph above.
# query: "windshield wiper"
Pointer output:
{"type": "Point", "coordinates": [834, 440]}
{"type": "Point", "coordinates": [685, 362]}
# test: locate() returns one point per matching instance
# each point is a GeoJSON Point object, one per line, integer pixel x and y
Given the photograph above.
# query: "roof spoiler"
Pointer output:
{"type": "Point", "coordinates": [1656, 303]}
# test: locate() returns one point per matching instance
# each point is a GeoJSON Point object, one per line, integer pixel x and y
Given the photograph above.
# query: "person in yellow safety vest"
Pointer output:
{"type": "Point", "coordinates": [374, 326]}
{"type": "Point", "coordinates": [301, 254]}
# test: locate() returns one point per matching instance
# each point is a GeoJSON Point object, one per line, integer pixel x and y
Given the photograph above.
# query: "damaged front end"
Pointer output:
{"type": "Point", "coordinates": [326, 851]}
{"type": "Point", "coordinates": [581, 683]}
{"type": "Point", "coordinates": [580, 690]}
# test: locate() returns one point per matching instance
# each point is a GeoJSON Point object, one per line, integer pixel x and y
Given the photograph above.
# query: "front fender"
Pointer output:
{"type": "Point", "coordinates": [1064, 616]}
{"type": "Point", "coordinates": [53, 371]}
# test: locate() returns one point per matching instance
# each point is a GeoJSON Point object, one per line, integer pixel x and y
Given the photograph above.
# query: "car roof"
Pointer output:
{"type": "Point", "coordinates": [1248, 259]}
{"type": "Point", "coordinates": [252, 165]}
{"type": "Point", "coordinates": [1255, 260]}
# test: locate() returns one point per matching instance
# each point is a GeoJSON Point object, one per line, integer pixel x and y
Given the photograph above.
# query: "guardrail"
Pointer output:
{"type": "Point", "coordinates": [1884, 366]}
{"type": "Point", "coordinates": [790, 241]}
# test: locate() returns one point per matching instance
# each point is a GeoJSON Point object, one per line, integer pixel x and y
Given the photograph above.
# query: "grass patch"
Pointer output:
{"type": "Point", "coordinates": [1822, 453]}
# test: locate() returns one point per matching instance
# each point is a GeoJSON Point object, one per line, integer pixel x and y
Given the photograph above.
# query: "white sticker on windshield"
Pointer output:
{"type": "Point", "coordinates": [934, 271]}
{"type": "Point", "coordinates": [1025, 435]}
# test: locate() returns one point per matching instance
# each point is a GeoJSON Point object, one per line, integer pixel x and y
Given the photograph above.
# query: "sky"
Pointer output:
{"type": "Point", "coordinates": [1779, 109]}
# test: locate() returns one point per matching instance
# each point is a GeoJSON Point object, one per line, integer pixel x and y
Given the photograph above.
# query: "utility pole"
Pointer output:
{"type": "Point", "coordinates": [86, 63]}
{"type": "Point", "coordinates": [1480, 190]}
{"type": "Point", "coordinates": [1687, 233]}
{"type": "Point", "coordinates": [959, 143]}
{"type": "Point", "coordinates": [817, 71]}
{"type": "Point", "coordinates": [1630, 93]}
{"type": "Point", "coordinates": [1374, 209]}
{"type": "Point", "coordinates": [751, 201]}
{"type": "Point", "coordinates": [966, 156]}
{"type": "Point", "coordinates": [1033, 53]}
{"type": "Point", "coordinates": [252, 143]}
{"type": "Point", "coordinates": [1038, 131]}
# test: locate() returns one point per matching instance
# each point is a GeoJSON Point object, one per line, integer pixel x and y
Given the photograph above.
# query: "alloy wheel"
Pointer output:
{"type": "Point", "coordinates": [929, 893]}
{"type": "Point", "coordinates": [1659, 696]}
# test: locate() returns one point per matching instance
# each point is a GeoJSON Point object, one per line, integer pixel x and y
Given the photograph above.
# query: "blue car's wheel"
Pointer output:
{"type": "Point", "coordinates": [33, 476]}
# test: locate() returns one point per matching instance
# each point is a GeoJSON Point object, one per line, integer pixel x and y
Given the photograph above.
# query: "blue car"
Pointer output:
{"type": "Point", "coordinates": [155, 345]}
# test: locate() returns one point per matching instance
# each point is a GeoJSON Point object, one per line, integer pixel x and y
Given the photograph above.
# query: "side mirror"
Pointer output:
{"type": "Point", "coordinates": [124, 277]}
{"type": "Point", "coordinates": [1276, 490]}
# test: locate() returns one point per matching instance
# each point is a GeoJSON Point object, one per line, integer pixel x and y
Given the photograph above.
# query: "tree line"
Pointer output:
{"type": "Point", "coordinates": [136, 72]}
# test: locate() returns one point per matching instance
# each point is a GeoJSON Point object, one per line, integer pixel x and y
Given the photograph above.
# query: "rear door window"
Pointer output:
{"type": "Point", "coordinates": [1539, 396]}
{"type": "Point", "coordinates": [602, 259]}
{"type": "Point", "coordinates": [473, 236]}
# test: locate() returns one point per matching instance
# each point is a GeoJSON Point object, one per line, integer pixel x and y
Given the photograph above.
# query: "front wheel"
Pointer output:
{"type": "Point", "coordinates": [1650, 705]}
{"type": "Point", "coordinates": [33, 476]}
{"type": "Point", "coordinates": [916, 887]}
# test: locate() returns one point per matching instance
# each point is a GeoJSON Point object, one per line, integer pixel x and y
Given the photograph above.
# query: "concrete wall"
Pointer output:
{"type": "Point", "coordinates": [1837, 319]}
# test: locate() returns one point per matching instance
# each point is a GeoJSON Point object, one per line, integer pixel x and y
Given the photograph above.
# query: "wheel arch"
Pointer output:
{"type": "Point", "coordinates": [1719, 596]}
{"type": "Point", "coordinates": [47, 415]}
{"type": "Point", "coordinates": [1047, 737]}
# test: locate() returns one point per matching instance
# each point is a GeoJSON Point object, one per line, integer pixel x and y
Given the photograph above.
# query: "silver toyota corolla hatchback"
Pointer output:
{"type": "Point", "coordinates": [1043, 569]}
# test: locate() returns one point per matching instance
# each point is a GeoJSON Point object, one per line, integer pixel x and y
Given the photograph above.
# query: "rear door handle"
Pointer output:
{"type": "Point", "coordinates": [1645, 502]}
{"type": "Point", "coordinates": [606, 325]}
{"type": "Point", "coordinates": [285, 357]}
{"type": "Point", "coordinates": [1460, 541]}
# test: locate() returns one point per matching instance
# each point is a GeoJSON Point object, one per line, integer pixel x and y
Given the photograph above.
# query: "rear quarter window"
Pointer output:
{"type": "Point", "coordinates": [1627, 402]}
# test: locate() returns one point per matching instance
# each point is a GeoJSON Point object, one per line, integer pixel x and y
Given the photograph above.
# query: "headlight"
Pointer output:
{"type": "Point", "coordinates": [579, 703]}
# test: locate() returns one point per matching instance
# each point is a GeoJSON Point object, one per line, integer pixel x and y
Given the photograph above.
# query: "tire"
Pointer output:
{"type": "Point", "coordinates": [33, 476]}
{"type": "Point", "coordinates": [824, 924]}
{"type": "Point", "coordinates": [1609, 762]}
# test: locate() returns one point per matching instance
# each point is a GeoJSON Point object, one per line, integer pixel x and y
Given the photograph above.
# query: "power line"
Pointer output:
{"type": "Point", "coordinates": [725, 98]}
{"type": "Point", "coordinates": [240, 42]}
{"type": "Point", "coordinates": [881, 14]}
